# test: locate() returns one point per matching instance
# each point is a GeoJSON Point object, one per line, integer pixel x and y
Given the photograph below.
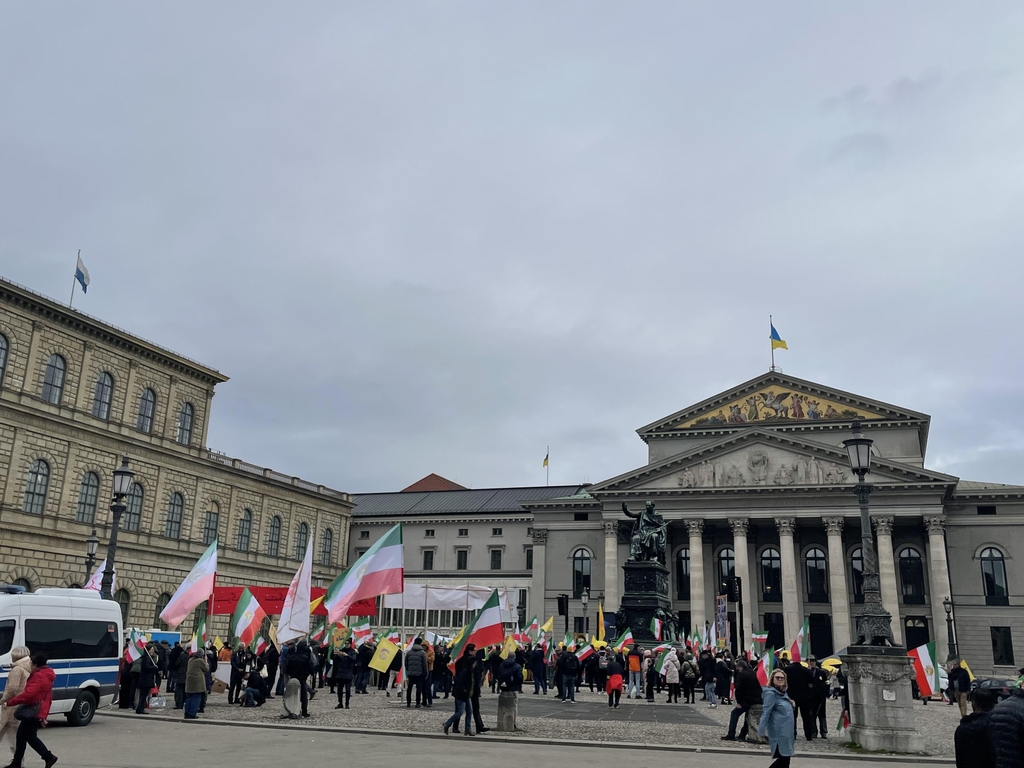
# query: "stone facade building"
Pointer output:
{"type": "Point", "coordinates": [755, 483]}
{"type": "Point", "coordinates": [76, 394]}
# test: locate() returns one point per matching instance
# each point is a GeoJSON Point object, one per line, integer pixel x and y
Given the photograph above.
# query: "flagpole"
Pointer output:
{"type": "Point", "coordinates": [770, 344]}
{"type": "Point", "coordinates": [74, 279]}
{"type": "Point", "coordinates": [547, 464]}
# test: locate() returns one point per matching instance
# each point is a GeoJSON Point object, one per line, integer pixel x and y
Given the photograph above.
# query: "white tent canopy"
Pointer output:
{"type": "Point", "coordinates": [468, 597]}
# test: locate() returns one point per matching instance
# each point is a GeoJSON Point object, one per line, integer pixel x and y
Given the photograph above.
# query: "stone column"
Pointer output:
{"type": "Point", "coordinates": [739, 545]}
{"type": "Point", "coordinates": [540, 540]}
{"type": "Point", "coordinates": [790, 598]}
{"type": "Point", "coordinates": [838, 593]}
{"type": "Point", "coordinates": [887, 574]}
{"type": "Point", "coordinates": [611, 566]}
{"type": "Point", "coordinates": [938, 572]}
{"type": "Point", "coordinates": [698, 611]}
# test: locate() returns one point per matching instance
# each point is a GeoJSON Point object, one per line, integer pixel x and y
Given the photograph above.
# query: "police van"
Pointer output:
{"type": "Point", "coordinates": [80, 634]}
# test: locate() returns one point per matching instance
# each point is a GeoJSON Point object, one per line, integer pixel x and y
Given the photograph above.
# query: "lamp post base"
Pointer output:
{"type": "Point", "coordinates": [881, 704]}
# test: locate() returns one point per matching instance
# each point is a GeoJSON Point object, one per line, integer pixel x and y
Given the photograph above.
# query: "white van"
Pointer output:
{"type": "Point", "coordinates": [80, 634]}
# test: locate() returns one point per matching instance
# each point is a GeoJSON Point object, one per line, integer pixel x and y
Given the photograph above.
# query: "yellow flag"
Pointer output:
{"type": "Point", "coordinates": [313, 606]}
{"type": "Point", "coordinates": [509, 648]}
{"type": "Point", "coordinates": [549, 625]}
{"type": "Point", "coordinates": [964, 665]}
{"type": "Point", "coordinates": [600, 621]}
{"type": "Point", "coordinates": [218, 643]}
{"type": "Point", "coordinates": [386, 651]}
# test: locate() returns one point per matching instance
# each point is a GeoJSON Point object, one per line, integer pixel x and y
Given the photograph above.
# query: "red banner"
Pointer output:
{"type": "Point", "coordinates": [272, 600]}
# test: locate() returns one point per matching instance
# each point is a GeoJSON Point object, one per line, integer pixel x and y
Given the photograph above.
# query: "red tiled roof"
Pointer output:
{"type": "Point", "coordinates": [433, 482]}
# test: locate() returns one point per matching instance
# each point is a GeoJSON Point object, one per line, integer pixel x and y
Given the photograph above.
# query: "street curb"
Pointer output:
{"type": "Point", "coordinates": [530, 741]}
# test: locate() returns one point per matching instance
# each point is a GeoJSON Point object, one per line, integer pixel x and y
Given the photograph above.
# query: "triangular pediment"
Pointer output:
{"type": "Point", "coordinates": [758, 458]}
{"type": "Point", "coordinates": [778, 401]}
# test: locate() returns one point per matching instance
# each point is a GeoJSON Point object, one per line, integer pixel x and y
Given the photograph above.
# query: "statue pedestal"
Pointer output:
{"type": "Point", "coordinates": [881, 701]}
{"type": "Point", "coordinates": [646, 590]}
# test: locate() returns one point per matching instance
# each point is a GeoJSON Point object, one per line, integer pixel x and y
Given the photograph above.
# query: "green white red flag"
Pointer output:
{"type": "Point", "coordinates": [247, 618]}
{"type": "Point", "coordinates": [925, 669]}
{"type": "Point", "coordinates": [401, 672]}
{"type": "Point", "coordinates": [662, 661]}
{"type": "Point", "coordinates": [195, 589]}
{"type": "Point", "coordinates": [656, 629]}
{"type": "Point", "coordinates": [759, 637]}
{"type": "Point", "coordinates": [765, 667]}
{"type": "Point", "coordinates": [532, 629]}
{"type": "Point", "coordinates": [380, 571]}
{"type": "Point", "coordinates": [136, 646]}
{"type": "Point", "coordinates": [800, 650]}
{"type": "Point", "coordinates": [199, 638]}
{"type": "Point", "coordinates": [259, 645]}
{"type": "Point", "coordinates": [486, 629]}
{"type": "Point", "coordinates": [585, 652]}
{"type": "Point", "coordinates": [626, 638]}
{"type": "Point", "coordinates": [361, 633]}
{"type": "Point", "coordinates": [844, 722]}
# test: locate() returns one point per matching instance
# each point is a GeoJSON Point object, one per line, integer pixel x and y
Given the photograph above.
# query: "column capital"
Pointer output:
{"type": "Point", "coordinates": [833, 525]}
{"type": "Point", "coordinates": [695, 527]}
{"type": "Point", "coordinates": [787, 525]}
{"type": "Point", "coordinates": [739, 526]}
{"type": "Point", "coordinates": [883, 525]}
{"type": "Point", "coordinates": [611, 528]}
{"type": "Point", "coordinates": [936, 524]}
{"type": "Point", "coordinates": [540, 537]}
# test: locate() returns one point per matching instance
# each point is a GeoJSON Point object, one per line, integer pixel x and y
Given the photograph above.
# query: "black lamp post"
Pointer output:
{"type": "Point", "coordinates": [584, 599]}
{"type": "Point", "coordinates": [874, 624]}
{"type": "Point", "coordinates": [951, 654]}
{"type": "Point", "coordinates": [122, 484]}
{"type": "Point", "coordinates": [91, 545]}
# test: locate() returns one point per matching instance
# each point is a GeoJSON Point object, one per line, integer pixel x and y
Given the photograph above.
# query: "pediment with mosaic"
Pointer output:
{"type": "Point", "coordinates": [775, 404]}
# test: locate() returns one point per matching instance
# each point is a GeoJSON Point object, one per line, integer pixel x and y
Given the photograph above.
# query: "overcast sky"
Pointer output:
{"type": "Point", "coordinates": [439, 236]}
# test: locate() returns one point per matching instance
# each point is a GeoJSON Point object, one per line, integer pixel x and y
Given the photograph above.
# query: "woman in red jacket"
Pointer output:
{"type": "Point", "coordinates": [38, 695]}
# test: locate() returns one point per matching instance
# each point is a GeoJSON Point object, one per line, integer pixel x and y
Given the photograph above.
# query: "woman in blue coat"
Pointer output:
{"type": "Point", "coordinates": [777, 720]}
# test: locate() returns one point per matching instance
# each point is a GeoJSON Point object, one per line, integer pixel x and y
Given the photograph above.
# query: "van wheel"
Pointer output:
{"type": "Point", "coordinates": [83, 710]}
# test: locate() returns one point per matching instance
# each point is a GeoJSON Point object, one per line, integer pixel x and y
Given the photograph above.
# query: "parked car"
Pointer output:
{"type": "Point", "coordinates": [1004, 687]}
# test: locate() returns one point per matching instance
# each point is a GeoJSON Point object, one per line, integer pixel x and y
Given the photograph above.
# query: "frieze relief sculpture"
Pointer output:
{"type": "Point", "coordinates": [804, 471]}
{"type": "Point", "coordinates": [758, 463]}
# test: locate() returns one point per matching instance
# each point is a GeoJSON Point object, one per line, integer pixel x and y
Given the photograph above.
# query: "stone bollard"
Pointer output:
{"type": "Point", "coordinates": [506, 711]}
{"type": "Point", "coordinates": [753, 718]}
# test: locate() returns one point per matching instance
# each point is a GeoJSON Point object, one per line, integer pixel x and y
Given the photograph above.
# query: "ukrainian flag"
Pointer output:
{"type": "Point", "coordinates": [777, 341]}
{"type": "Point", "coordinates": [546, 455]}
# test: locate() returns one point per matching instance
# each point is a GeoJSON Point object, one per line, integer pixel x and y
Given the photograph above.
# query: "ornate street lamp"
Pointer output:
{"type": "Point", "coordinates": [123, 477]}
{"type": "Point", "coordinates": [91, 545]}
{"type": "Point", "coordinates": [951, 654]}
{"type": "Point", "coordinates": [584, 599]}
{"type": "Point", "coordinates": [874, 623]}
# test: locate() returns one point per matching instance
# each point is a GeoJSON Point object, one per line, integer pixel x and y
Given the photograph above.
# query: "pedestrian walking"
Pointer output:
{"type": "Point", "coordinates": [971, 741]}
{"type": "Point", "coordinates": [463, 693]}
{"type": "Point", "coordinates": [614, 685]}
{"type": "Point", "coordinates": [778, 721]}
{"type": "Point", "coordinates": [31, 708]}
{"type": "Point", "coordinates": [688, 675]}
{"type": "Point", "coordinates": [21, 669]}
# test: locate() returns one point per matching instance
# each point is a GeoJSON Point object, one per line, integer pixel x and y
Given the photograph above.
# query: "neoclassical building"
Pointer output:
{"type": "Point", "coordinates": [77, 394]}
{"type": "Point", "coordinates": [755, 483]}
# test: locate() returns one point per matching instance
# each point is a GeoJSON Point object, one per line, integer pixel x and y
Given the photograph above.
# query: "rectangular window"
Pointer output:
{"type": "Point", "coordinates": [456, 618]}
{"type": "Point", "coordinates": [529, 559]}
{"type": "Point", "coordinates": [461, 559]}
{"type": "Point", "coordinates": [463, 531]}
{"type": "Point", "coordinates": [580, 515]}
{"type": "Point", "coordinates": [428, 560]}
{"type": "Point", "coordinates": [581, 624]}
{"type": "Point", "coordinates": [360, 552]}
{"type": "Point", "coordinates": [495, 559]}
{"type": "Point", "coordinates": [410, 617]}
{"type": "Point", "coordinates": [364, 534]}
{"type": "Point", "coordinates": [421, 618]}
{"type": "Point", "coordinates": [429, 533]}
{"type": "Point", "coordinates": [445, 619]}
{"type": "Point", "coordinates": [1002, 647]}
{"type": "Point", "coordinates": [385, 617]}
{"type": "Point", "coordinates": [986, 510]}
{"type": "Point", "coordinates": [495, 531]}
{"type": "Point", "coordinates": [432, 618]}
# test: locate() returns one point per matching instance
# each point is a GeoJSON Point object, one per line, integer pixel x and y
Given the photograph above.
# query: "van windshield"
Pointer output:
{"type": "Point", "coordinates": [6, 635]}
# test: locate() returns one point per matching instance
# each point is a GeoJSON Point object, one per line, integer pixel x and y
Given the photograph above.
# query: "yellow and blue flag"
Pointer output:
{"type": "Point", "coordinates": [546, 455]}
{"type": "Point", "coordinates": [777, 341]}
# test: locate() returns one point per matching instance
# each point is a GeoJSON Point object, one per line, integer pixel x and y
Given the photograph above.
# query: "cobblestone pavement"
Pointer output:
{"type": "Point", "coordinates": [589, 719]}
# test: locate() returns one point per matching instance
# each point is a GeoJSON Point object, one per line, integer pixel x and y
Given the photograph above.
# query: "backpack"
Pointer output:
{"type": "Point", "coordinates": [688, 670]}
{"type": "Point", "coordinates": [603, 661]}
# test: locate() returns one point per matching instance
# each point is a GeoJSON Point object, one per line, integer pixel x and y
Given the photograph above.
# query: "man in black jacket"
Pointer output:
{"type": "Point", "coordinates": [1006, 731]}
{"type": "Point", "coordinates": [747, 690]}
{"type": "Point", "coordinates": [801, 691]}
{"type": "Point", "coordinates": [364, 656]}
{"type": "Point", "coordinates": [271, 658]}
{"type": "Point", "coordinates": [300, 666]}
{"type": "Point", "coordinates": [239, 660]}
{"type": "Point", "coordinates": [172, 666]}
{"type": "Point", "coordinates": [972, 743]}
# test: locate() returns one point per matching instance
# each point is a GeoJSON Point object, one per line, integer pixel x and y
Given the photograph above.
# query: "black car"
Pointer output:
{"type": "Point", "coordinates": [1002, 686]}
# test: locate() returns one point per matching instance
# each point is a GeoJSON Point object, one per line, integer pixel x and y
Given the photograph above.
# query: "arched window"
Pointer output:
{"type": "Point", "coordinates": [244, 531]}
{"type": "Point", "coordinates": [185, 418]}
{"type": "Point", "coordinates": [326, 546]}
{"type": "Point", "coordinates": [993, 576]}
{"type": "Point", "coordinates": [175, 508]}
{"type": "Point", "coordinates": [147, 407]}
{"type": "Point", "coordinates": [771, 576]}
{"type": "Point", "coordinates": [683, 574]}
{"type": "Point", "coordinates": [301, 539]}
{"type": "Point", "coordinates": [23, 583]}
{"type": "Point", "coordinates": [211, 523]}
{"type": "Point", "coordinates": [88, 494]}
{"type": "Point", "coordinates": [912, 576]}
{"type": "Point", "coordinates": [580, 571]}
{"type": "Point", "coordinates": [102, 396]}
{"type": "Point", "coordinates": [36, 487]}
{"type": "Point", "coordinates": [53, 379]}
{"type": "Point", "coordinates": [161, 603]}
{"type": "Point", "coordinates": [816, 567]}
{"type": "Point", "coordinates": [274, 536]}
{"type": "Point", "coordinates": [133, 508]}
{"type": "Point", "coordinates": [726, 569]}
{"type": "Point", "coordinates": [124, 600]}
{"type": "Point", "coordinates": [5, 347]}
{"type": "Point", "coordinates": [857, 574]}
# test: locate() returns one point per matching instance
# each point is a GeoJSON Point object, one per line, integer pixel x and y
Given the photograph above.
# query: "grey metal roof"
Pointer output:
{"type": "Point", "coordinates": [457, 502]}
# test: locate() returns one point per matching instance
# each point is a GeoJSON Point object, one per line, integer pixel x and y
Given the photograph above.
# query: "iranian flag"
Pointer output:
{"type": "Point", "coordinates": [925, 669]}
{"type": "Point", "coordinates": [765, 667]}
{"type": "Point", "coordinates": [401, 672]}
{"type": "Point", "coordinates": [626, 638]}
{"type": "Point", "coordinates": [696, 644]}
{"type": "Point", "coordinates": [585, 652]}
{"type": "Point", "coordinates": [195, 589]}
{"type": "Point", "coordinates": [662, 661]}
{"type": "Point", "coordinates": [656, 629]}
{"type": "Point", "coordinates": [199, 638]}
{"type": "Point", "coordinates": [247, 618]}
{"type": "Point", "coordinates": [759, 637]}
{"type": "Point", "coordinates": [380, 571]}
{"type": "Point", "coordinates": [844, 722]}
{"type": "Point", "coordinates": [361, 633]}
{"type": "Point", "coordinates": [259, 645]}
{"type": "Point", "coordinates": [661, 647]}
{"type": "Point", "coordinates": [799, 650]}
{"type": "Point", "coordinates": [532, 629]}
{"type": "Point", "coordinates": [318, 633]}
{"type": "Point", "coordinates": [136, 646]}
{"type": "Point", "coordinates": [486, 629]}
{"type": "Point", "coordinates": [569, 643]}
